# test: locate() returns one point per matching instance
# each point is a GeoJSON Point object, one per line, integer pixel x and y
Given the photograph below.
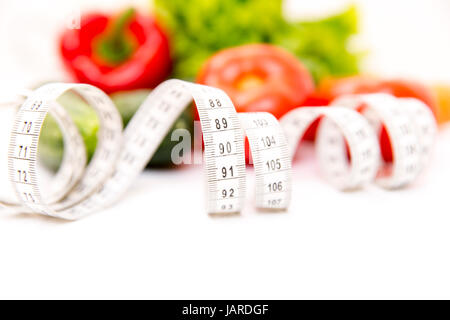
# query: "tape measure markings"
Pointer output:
{"type": "Point", "coordinates": [338, 126]}
{"type": "Point", "coordinates": [410, 126]}
{"type": "Point", "coordinates": [40, 102]}
{"type": "Point", "coordinates": [271, 159]}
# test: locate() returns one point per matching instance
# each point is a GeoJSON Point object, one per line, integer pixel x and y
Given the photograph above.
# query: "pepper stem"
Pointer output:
{"type": "Point", "coordinates": [115, 47]}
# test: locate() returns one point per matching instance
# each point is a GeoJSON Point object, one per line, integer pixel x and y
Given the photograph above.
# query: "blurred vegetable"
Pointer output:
{"type": "Point", "coordinates": [124, 52]}
{"type": "Point", "coordinates": [129, 101]}
{"type": "Point", "coordinates": [330, 89]}
{"type": "Point", "coordinates": [51, 145]}
{"type": "Point", "coordinates": [442, 93]}
{"type": "Point", "coordinates": [259, 77]}
{"type": "Point", "coordinates": [199, 28]}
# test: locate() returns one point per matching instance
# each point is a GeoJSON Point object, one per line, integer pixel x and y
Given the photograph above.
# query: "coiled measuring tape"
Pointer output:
{"type": "Point", "coordinates": [338, 127]}
{"type": "Point", "coordinates": [409, 123]}
{"type": "Point", "coordinates": [411, 128]}
{"type": "Point", "coordinates": [78, 189]}
{"type": "Point", "coordinates": [347, 146]}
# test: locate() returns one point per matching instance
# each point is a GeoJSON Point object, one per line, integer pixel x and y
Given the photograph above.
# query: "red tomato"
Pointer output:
{"type": "Point", "coordinates": [259, 77]}
{"type": "Point", "coordinates": [314, 100]}
{"type": "Point", "coordinates": [329, 89]}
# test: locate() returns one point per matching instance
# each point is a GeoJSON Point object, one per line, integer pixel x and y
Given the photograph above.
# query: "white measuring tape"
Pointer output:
{"type": "Point", "coordinates": [79, 189]}
{"type": "Point", "coordinates": [339, 126]}
{"type": "Point", "coordinates": [410, 125]}
{"type": "Point", "coordinates": [271, 159]}
{"type": "Point", "coordinates": [411, 128]}
{"type": "Point", "coordinates": [120, 156]}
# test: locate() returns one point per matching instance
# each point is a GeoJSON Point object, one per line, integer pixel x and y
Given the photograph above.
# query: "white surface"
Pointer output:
{"type": "Point", "coordinates": [159, 243]}
{"type": "Point", "coordinates": [404, 38]}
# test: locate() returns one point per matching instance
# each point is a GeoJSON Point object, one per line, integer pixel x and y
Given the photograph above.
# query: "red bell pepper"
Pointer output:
{"type": "Point", "coordinates": [124, 52]}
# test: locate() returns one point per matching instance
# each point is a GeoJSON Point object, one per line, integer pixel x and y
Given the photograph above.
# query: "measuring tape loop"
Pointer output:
{"type": "Point", "coordinates": [74, 183]}
{"type": "Point", "coordinates": [220, 126]}
{"type": "Point", "coordinates": [74, 155]}
{"type": "Point", "coordinates": [338, 127]}
{"type": "Point", "coordinates": [120, 156]}
{"type": "Point", "coordinates": [271, 159]}
{"type": "Point", "coordinates": [424, 123]}
{"type": "Point", "coordinates": [411, 128]}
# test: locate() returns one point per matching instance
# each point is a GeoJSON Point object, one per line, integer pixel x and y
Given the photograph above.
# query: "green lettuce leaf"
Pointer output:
{"type": "Point", "coordinates": [199, 28]}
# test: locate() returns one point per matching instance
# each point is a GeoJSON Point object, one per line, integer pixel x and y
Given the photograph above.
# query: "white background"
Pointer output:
{"type": "Point", "coordinates": [159, 243]}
